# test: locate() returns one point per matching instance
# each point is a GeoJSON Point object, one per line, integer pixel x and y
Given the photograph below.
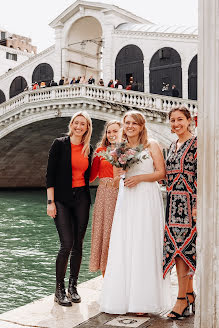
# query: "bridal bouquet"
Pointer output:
{"type": "Point", "coordinates": [122, 155]}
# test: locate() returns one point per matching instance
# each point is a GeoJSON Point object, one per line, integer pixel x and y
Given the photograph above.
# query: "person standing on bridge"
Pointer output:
{"type": "Point", "coordinates": [105, 198]}
{"type": "Point", "coordinates": [68, 195]}
{"type": "Point", "coordinates": [175, 91]}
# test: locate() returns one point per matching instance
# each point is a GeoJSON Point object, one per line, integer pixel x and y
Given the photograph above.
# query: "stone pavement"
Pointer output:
{"type": "Point", "coordinates": [104, 320]}
{"type": "Point", "coordinates": [44, 313]}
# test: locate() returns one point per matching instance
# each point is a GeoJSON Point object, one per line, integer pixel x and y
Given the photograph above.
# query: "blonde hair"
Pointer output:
{"type": "Point", "coordinates": [140, 119]}
{"type": "Point", "coordinates": [87, 135]}
{"type": "Point", "coordinates": [104, 142]}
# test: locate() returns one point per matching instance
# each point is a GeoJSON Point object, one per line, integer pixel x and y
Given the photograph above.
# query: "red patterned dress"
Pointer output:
{"type": "Point", "coordinates": [180, 229]}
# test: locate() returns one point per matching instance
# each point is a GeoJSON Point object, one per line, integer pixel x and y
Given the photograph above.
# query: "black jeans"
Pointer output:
{"type": "Point", "coordinates": [71, 223]}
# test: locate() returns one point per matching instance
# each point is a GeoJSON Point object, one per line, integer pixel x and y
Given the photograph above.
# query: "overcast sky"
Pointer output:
{"type": "Point", "coordinates": [32, 18]}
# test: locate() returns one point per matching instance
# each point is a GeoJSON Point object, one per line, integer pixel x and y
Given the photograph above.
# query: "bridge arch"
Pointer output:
{"type": "Point", "coordinates": [32, 137]}
{"type": "Point", "coordinates": [2, 97]}
{"type": "Point", "coordinates": [17, 86]}
{"type": "Point", "coordinates": [165, 70]}
{"type": "Point", "coordinates": [25, 166]}
{"type": "Point", "coordinates": [192, 78]}
{"type": "Point", "coordinates": [83, 40]}
{"type": "Point", "coordinates": [43, 72]}
{"type": "Point", "coordinates": [130, 62]}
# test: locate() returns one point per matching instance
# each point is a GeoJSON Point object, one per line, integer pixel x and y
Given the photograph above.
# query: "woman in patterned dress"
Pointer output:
{"type": "Point", "coordinates": [180, 229]}
{"type": "Point", "coordinates": [105, 199]}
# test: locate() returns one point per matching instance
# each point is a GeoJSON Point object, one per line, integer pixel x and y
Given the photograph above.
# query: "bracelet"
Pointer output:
{"type": "Point", "coordinates": [49, 201]}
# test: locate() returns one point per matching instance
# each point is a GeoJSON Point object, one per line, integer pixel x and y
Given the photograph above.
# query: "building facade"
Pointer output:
{"type": "Point", "coordinates": [105, 41]}
{"type": "Point", "coordinates": [14, 50]}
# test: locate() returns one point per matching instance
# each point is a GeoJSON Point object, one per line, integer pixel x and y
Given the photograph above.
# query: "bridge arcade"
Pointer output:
{"type": "Point", "coordinates": [106, 41]}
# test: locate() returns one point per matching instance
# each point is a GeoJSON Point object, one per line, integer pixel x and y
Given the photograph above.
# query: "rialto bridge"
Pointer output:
{"type": "Point", "coordinates": [30, 121]}
{"type": "Point", "coordinates": [104, 41]}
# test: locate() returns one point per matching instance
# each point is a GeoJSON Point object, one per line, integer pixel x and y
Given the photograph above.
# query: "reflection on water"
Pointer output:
{"type": "Point", "coordinates": [28, 248]}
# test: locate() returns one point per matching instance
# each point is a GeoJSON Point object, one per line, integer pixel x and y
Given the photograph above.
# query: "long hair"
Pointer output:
{"type": "Point", "coordinates": [140, 119]}
{"type": "Point", "coordinates": [104, 142]}
{"type": "Point", "coordinates": [87, 135]}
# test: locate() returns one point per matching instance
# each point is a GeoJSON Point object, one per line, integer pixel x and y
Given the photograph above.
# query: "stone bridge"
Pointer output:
{"type": "Point", "coordinates": [30, 121]}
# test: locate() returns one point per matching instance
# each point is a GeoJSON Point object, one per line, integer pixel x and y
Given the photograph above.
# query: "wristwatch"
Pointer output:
{"type": "Point", "coordinates": [49, 201]}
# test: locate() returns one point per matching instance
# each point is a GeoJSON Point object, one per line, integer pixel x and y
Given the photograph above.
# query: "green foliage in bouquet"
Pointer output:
{"type": "Point", "coordinates": [122, 155]}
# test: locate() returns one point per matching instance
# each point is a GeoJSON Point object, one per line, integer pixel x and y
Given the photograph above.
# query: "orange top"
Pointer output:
{"type": "Point", "coordinates": [100, 167]}
{"type": "Point", "coordinates": [79, 165]}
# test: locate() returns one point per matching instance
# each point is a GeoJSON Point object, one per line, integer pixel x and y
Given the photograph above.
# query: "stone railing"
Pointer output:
{"type": "Point", "coordinates": [137, 100]}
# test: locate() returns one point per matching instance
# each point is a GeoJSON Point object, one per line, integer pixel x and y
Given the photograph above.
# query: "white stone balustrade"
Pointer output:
{"type": "Point", "coordinates": [137, 100]}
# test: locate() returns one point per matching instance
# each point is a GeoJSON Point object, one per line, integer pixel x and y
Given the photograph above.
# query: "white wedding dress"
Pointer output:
{"type": "Point", "coordinates": [133, 279]}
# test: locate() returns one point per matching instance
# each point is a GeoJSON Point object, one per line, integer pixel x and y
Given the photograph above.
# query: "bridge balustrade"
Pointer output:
{"type": "Point", "coordinates": [132, 99]}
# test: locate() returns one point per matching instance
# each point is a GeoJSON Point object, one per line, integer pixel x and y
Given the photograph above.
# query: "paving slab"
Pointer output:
{"type": "Point", "coordinates": [103, 320]}
{"type": "Point", "coordinates": [44, 313]}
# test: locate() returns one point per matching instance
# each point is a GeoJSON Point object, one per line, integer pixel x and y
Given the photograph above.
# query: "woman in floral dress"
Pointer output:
{"type": "Point", "coordinates": [105, 201]}
{"type": "Point", "coordinates": [180, 229]}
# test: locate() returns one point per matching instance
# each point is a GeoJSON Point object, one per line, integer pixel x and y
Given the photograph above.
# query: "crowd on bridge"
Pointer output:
{"type": "Point", "coordinates": [132, 85]}
{"type": "Point", "coordinates": [133, 244]}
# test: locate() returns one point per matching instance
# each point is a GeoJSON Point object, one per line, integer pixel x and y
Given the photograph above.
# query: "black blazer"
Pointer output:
{"type": "Point", "coordinates": [59, 170]}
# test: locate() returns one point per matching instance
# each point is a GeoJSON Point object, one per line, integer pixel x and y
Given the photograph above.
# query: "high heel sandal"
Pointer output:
{"type": "Point", "coordinates": [193, 303]}
{"type": "Point", "coordinates": [185, 312]}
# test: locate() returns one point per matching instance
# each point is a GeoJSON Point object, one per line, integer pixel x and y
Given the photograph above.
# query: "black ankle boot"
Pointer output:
{"type": "Point", "coordinates": [72, 291]}
{"type": "Point", "coordinates": [60, 295]}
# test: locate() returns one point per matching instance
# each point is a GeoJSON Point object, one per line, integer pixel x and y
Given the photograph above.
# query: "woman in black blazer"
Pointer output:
{"type": "Point", "coordinates": [68, 200]}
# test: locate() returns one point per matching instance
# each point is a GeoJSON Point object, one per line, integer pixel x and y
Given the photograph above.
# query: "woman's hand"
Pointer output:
{"type": "Point", "coordinates": [118, 171]}
{"type": "Point", "coordinates": [116, 181]}
{"type": "Point", "coordinates": [51, 210]}
{"type": "Point", "coordinates": [194, 214]}
{"type": "Point", "coordinates": [132, 181]}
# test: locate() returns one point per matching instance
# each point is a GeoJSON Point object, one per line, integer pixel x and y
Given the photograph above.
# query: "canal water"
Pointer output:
{"type": "Point", "coordinates": [28, 247]}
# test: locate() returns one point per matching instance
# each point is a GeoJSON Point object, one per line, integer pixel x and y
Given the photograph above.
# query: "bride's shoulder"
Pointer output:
{"type": "Point", "coordinates": [154, 147]}
{"type": "Point", "coordinates": [153, 143]}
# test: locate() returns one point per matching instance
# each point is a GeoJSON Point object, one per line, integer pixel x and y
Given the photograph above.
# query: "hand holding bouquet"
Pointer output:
{"type": "Point", "coordinates": [122, 156]}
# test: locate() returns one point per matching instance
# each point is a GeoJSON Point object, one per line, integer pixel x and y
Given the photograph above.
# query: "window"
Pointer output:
{"type": "Point", "coordinates": [2, 35]}
{"type": "Point", "coordinates": [11, 56]}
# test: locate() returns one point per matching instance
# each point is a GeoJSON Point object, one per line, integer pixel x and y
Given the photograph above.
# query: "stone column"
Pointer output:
{"type": "Point", "coordinates": [59, 62]}
{"type": "Point", "coordinates": [207, 304]}
{"type": "Point", "coordinates": [184, 80]}
{"type": "Point", "coordinates": [146, 75]}
{"type": "Point", "coordinates": [108, 65]}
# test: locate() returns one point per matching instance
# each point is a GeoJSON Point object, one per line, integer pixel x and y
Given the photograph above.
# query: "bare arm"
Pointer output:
{"type": "Point", "coordinates": [116, 176]}
{"type": "Point", "coordinates": [51, 208]}
{"type": "Point", "coordinates": [159, 165]}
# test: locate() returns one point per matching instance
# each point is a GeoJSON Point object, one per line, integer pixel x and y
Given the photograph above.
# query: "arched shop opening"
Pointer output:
{"type": "Point", "coordinates": [130, 63]}
{"type": "Point", "coordinates": [165, 70]}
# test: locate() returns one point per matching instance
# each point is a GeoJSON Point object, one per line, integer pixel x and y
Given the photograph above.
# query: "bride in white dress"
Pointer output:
{"type": "Point", "coordinates": [133, 280]}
